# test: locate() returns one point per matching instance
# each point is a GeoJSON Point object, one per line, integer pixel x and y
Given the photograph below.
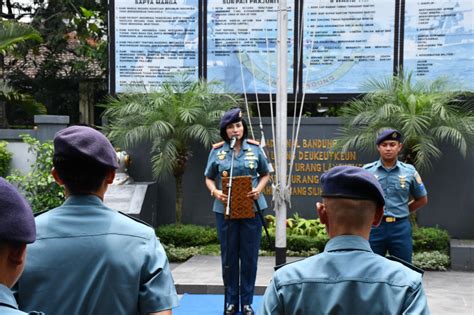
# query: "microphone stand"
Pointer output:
{"type": "Point", "coordinates": [227, 217]}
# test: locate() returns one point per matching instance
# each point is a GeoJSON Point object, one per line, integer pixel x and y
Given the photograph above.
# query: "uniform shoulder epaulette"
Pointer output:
{"type": "Point", "coordinates": [369, 164]}
{"type": "Point", "coordinates": [406, 264]}
{"type": "Point", "coordinates": [251, 141]}
{"type": "Point", "coordinates": [218, 145]}
{"type": "Point", "coordinates": [135, 219]}
{"type": "Point", "coordinates": [287, 263]}
{"type": "Point", "coordinates": [40, 212]}
{"type": "Point", "coordinates": [406, 165]}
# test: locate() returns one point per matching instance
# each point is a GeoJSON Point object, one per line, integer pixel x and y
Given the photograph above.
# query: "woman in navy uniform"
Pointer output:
{"type": "Point", "coordinates": [243, 235]}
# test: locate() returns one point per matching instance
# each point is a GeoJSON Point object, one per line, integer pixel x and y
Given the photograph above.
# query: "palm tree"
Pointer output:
{"type": "Point", "coordinates": [12, 33]}
{"type": "Point", "coordinates": [427, 114]}
{"type": "Point", "coordinates": [171, 119]}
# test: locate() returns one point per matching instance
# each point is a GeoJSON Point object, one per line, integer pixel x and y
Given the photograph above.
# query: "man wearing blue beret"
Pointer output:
{"type": "Point", "coordinates": [348, 277]}
{"type": "Point", "coordinates": [17, 229]}
{"type": "Point", "coordinates": [89, 259]}
{"type": "Point", "coordinates": [404, 193]}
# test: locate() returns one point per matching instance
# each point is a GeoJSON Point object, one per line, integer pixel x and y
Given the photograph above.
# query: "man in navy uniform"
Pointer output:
{"type": "Point", "coordinates": [404, 193]}
{"type": "Point", "coordinates": [89, 259]}
{"type": "Point", "coordinates": [17, 229]}
{"type": "Point", "coordinates": [347, 278]}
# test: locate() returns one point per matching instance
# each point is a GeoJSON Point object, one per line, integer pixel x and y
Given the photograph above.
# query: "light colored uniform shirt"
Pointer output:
{"type": "Point", "coordinates": [347, 278]}
{"type": "Point", "coordinates": [398, 183]}
{"type": "Point", "coordinates": [250, 161]}
{"type": "Point", "coordinates": [89, 259]}
{"type": "Point", "coordinates": [8, 305]}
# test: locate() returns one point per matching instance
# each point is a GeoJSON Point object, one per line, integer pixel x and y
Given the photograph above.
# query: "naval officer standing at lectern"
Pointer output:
{"type": "Point", "coordinates": [239, 238]}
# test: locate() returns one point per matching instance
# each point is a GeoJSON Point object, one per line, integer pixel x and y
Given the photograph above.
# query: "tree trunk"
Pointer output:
{"type": "Point", "coordinates": [179, 198]}
{"type": "Point", "coordinates": [86, 102]}
{"type": "Point", "coordinates": [3, 116]}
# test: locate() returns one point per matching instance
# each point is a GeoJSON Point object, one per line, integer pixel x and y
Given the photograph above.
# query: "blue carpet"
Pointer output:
{"type": "Point", "coordinates": [206, 304]}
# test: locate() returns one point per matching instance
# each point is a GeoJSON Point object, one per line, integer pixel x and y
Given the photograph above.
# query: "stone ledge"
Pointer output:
{"type": "Point", "coordinates": [462, 255]}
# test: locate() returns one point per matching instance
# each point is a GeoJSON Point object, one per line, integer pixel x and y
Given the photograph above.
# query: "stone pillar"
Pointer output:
{"type": "Point", "coordinates": [48, 125]}
{"type": "Point", "coordinates": [86, 103]}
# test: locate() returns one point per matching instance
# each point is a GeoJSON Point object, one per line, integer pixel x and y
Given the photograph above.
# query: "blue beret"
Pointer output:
{"type": "Point", "coordinates": [85, 142]}
{"type": "Point", "coordinates": [231, 116]}
{"type": "Point", "coordinates": [352, 183]}
{"type": "Point", "coordinates": [388, 134]}
{"type": "Point", "coordinates": [17, 223]}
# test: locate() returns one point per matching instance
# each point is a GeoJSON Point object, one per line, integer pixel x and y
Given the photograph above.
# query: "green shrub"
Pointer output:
{"type": "Point", "coordinates": [298, 243]}
{"type": "Point", "coordinates": [427, 239]}
{"type": "Point", "coordinates": [186, 235]}
{"type": "Point", "coordinates": [5, 159]}
{"type": "Point", "coordinates": [39, 186]}
{"type": "Point", "coordinates": [179, 254]}
{"type": "Point", "coordinates": [434, 260]}
{"type": "Point", "coordinates": [298, 225]}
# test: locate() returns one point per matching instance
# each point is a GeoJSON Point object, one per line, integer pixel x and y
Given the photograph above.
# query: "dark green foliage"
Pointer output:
{"type": "Point", "coordinates": [38, 185]}
{"type": "Point", "coordinates": [430, 239]}
{"type": "Point", "coordinates": [186, 235]}
{"type": "Point", "coordinates": [74, 50]}
{"type": "Point", "coordinates": [434, 260]}
{"type": "Point", "coordinates": [298, 243]}
{"type": "Point", "coordinates": [5, 159]}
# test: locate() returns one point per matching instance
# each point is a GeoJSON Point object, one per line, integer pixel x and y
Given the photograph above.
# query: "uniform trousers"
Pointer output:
{"type": "Point", "coordinates": [242, 250]}
{"type": "Point", "coordinates": [394, 237]}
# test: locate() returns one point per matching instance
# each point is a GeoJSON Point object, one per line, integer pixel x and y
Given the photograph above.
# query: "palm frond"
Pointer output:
{"type": "Point", "coordinates": [425, 112]}
{"type": "Point", "coordinates": [12, 32]}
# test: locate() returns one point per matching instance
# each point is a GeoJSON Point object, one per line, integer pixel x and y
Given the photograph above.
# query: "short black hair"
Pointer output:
{"type": "Point", "coordinates": [80, 175]}
{"type": "Point", "coordinates": [224, 132]}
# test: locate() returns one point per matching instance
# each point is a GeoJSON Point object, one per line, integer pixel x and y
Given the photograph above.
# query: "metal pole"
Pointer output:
{"type": "Point", "coordinates": [227, 220]}
{"type": "Point", "coordinates": [281, 130]}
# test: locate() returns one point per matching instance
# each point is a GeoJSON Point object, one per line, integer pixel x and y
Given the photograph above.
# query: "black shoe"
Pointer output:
{"type": "Point", "coordinates": [247, 310]}
{"type": "Point", "coordinates": [230, 309]}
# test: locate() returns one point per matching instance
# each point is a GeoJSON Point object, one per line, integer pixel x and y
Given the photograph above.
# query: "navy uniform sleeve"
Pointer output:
{"type": "Point", "coordinates": [263, 168]}
{"type": "Point", "coordinates": [271, 303]}
{"type": "Point", "coordinates": [157, 290]}
{"type": "Point", "coordinates": [211, 170]}
{"type": "Point", "coordinates": [416, 303]}
{"type": "Point", "coordinates": [417, 188]}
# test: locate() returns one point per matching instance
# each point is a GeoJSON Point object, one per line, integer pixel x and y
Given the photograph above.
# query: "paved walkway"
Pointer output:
{"type": "Point", "coordinates": [450, 292]}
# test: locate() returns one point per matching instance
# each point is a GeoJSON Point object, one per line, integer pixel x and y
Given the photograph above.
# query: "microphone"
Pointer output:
{"type": "Point", "coordinates": [232, 142]}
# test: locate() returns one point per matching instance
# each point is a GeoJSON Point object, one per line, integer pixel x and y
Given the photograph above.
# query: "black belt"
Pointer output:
{"type": "Point", "coordinates": [389, 219]}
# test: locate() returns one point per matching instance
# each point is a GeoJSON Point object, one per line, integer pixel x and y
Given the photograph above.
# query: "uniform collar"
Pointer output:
{"type": "Point", "coordinates": [6, 297]}
{"type": "Point", "coordinates": [347, 242]}
{"type": "Point", "coordinates": [83, 199]}
{"type": "Point", "coordinates": [245, 146]}
{"type": "Point", "coordinates": [379, 164]}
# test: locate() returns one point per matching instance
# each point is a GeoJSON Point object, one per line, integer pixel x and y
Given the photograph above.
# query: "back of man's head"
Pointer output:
{"type": "Point", "coordinates": [17, 224]}
{"type": "Point", "coordinates": [17, 228]}
{"type": "Point", "coordinates": [82, 158]}
{"type": "Point", "coordinates": [351, 198]}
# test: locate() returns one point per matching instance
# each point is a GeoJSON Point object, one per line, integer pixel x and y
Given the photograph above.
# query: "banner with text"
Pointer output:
{"type": "Point", "coordinates": [347, 43]}
{"type": "Point", "coordinates": [439, 41]}
{"type": "Point", "coordinates": [155, 40]}
{"type": "Point", "coordinates": [241, 49]}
